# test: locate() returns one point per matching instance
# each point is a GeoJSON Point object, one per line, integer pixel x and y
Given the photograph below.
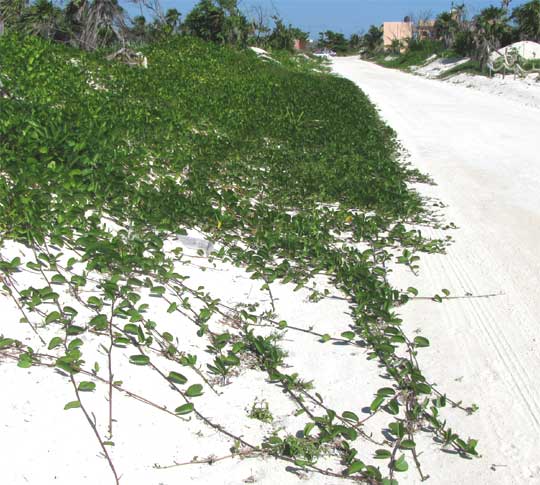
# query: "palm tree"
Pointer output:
{"type": "Point", "coordinates": [11, 12]}
{"type": "Point", "coordinates": [490, 29]}
{"type": "Point", "coordinates": [373, 39]}
{"type": "Point", "coordinates": [103, 22]}
{"type": "Point", "coordinates": [446, 27]}
{"type": "Point", "coordinates": [206, 21]}
{"type": "Point", "coordinates": [43, 18]}
{"type": "Point", "coordinates": [138, 30]}
{"type": "Point", "coordinates": [172, 19]}
{"type": "Point", "coordinates": [527, 17]}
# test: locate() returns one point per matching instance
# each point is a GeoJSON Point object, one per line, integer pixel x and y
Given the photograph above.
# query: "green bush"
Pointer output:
{"type": "Point", "coordinates": [464, 43]}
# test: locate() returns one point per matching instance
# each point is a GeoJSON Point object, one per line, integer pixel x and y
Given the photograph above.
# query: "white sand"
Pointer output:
{"type": "Point", "coordinates": [437, 66]}
{"type": "Point", "coordinates": [525, 91]}
{"type": "Point", "coordinates": [525, 48]}
{"type": "Point", "coordinates": [43, 444]}
{"type": "Point", "coordinates": [482, 151]}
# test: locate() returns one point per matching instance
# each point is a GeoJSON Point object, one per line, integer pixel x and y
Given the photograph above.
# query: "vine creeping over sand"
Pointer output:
{"type": "Point", "coordinates": [115, 182]}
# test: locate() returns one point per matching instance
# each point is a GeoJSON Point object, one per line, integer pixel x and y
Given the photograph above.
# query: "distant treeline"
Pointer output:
{"type": "Point", "coordinates": [93, 24]}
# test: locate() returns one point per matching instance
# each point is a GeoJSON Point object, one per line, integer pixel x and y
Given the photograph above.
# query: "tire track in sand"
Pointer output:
{"type": "Point", "coordinates": [483, 313]}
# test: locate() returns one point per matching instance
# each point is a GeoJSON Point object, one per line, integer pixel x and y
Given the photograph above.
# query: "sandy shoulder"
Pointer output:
{"type": "Point", "coordinates": [482, 151]}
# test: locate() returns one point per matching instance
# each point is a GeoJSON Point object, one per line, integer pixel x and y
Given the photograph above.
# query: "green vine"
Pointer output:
{"type": "Point", "coordinates": [290, 176]}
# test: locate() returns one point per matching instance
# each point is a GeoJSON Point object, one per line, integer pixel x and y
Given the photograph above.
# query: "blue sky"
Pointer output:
{"type": "Point", "coordinates": [347, 16]}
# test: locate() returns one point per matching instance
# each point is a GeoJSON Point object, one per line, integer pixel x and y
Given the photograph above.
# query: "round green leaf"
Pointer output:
{"type": "Point", "coordinates": [194, 390]}
{"type": "Point", "coordinates": [184, 409]}
{"type": "Point", "coordinates": [139, 359]}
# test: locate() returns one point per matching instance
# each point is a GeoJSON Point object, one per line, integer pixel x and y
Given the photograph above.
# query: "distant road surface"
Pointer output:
{"type": "Point", "coordinates": [483, 152]}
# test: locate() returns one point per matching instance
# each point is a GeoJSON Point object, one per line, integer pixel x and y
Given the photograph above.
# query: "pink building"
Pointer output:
{"type": "Point", "coordinates": [396, 31]}
{"type": "Point", "coordinates": [300, 45]}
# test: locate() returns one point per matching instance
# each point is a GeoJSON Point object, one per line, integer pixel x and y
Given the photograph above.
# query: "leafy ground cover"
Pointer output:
{"type": "Point", "coordinates": [289, 174]}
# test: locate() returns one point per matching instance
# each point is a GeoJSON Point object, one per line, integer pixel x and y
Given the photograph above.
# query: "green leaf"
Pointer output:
{"type": "Point", "coordinates": [131, 329]}
{"type": "Point", "coordinates": [308, 428]}
{"type": "Point", "coordinates": [25, 361]}
{"type": "Point", "coordinates": [397, 429]}
{"type": "Point", "coordinates": [6, 342]}
{"type": "Point", "coordinates": [177, 378]}
{"type": "Point", "coordinates": [121, 341]}
{"type": "Point", "coordinates": [355, 467]}
{"type": "Point", "coordinates": [392, 407]}
{"type": "Point", "coordinates": [70, 310]}
{"type": "Point", "coordinates": [72, 405]}
{"type": "Point", "coordinates": [185, 409]}
{"type": "Point", "coordinates": [139, 359]}
{"type": "Point", "coordinates": [401, 465]}
{"type": "Point", "coordinates": [75, 344]}
{"type": "Point", "coordinates": [75, 330]}
{"type": "Point", "coordinates": [66, 365]}
{"type": "Point", "coordinates": [397, 339]}
{"type": "Point", "coordinates": [53, 317]}
{"type": "Point", "coordinates": [172, 307]}
{"type": "Point", "coordinates": [471, 447]}
{"type": "Point", "coordinates": [408, 444]}
{"type": "Point", "coordinates": [382, 454]}
{"type": "Point", "coordinates": [421, 342]}
{"type": "Point", "coordinates": [275, 440]}
{"type": "Point", "coordinates": [349, 433]}
{"type": "Point", "coordinates": [348, 335]}
{"type": "Point", "coordinates": [95, 301]}
{"type": "Point", "coordinates": [386, 392]}
{"type": "Point", "coordinates": [168, 337]}
{"type": "Point", "coordinates": [376, 403]}
{"type": "Point", "coordinates": [194, 391]}
{"type": "Point", "coordinates": [100, 322]}
{"type": "Point", "coordinates": [157, 291]}
{"type": "Point", "coordinates": [58, 279]}
{"type": "Point", "coordinates": [350, 416]}
{"type": "Point", "coordinates": [86, 386]}
{"type": "Point", "coordinates": [423, 388]}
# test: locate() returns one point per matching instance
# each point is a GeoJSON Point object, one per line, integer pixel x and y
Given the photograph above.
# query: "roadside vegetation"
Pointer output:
{"type": "Point", "coordinates": [416, 54]}
{"type": "Point", "coordinates": [455, 35]}
{"type": "Point", "coordinates": [288, 173]}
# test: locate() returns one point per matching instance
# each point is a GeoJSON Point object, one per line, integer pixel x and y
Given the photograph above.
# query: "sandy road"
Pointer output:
{"type": "Point", "coordinates": [484, 154]}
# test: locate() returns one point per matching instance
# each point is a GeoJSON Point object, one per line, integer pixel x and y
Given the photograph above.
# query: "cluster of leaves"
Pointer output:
{"type": "Point", "coordinates": [293, 173]}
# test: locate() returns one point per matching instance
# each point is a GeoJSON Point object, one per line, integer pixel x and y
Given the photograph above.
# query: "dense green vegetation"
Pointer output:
{"type": "Point", "coordinates": [279, 165]}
